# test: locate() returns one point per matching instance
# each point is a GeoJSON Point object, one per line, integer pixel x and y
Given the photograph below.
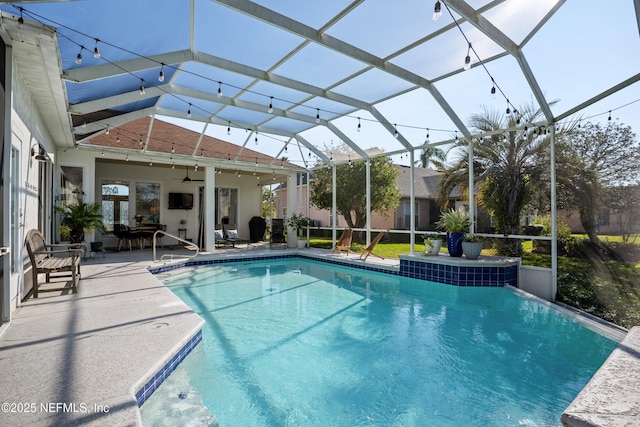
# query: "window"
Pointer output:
{"type": "Point", "coordinates": [227, 206]}
{"type": "Point", "coordinates": [115, 203]}
{"type": "Point", "coordinates": [407, 214]}
{"type": "Point", "coordinates": [148, 202]}
{"type": "Point", "coordinates": [71, 185]}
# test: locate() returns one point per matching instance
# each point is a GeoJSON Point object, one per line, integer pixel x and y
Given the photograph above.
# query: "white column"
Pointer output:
{"type": "Point", "coordinates": [472, 206]}
{"type": "Point", "coordinates": [333, 204]}
{"type": "Point", "coordinates": [368, 197]}
{"type": "Point", "coordinates": [209, 208]}
{"type": "Point", "coordinates": [292, 203]}
{"type": "Point", "coordinates": [412, 200]}
{"type": "Point", "coordinates": [554, 214]}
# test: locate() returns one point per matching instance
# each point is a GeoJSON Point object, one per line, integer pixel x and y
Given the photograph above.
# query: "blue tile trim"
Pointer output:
{"type": "Point", "coordinates": [158, 378]}
{"type": "Point", "coordinates": [460, 275]}
{"type": "Point", "coordinates": [433, 272]}
{"type": "Point", "coordinates": [189, 263]}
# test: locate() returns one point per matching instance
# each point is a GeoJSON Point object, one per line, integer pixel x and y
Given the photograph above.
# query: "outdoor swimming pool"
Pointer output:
{"type": "Point", "coordinates": [298, 342]}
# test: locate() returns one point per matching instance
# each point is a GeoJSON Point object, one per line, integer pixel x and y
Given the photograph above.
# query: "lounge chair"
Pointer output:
{"type": "Point", "coordinates": [230, 236]}
{"type": "Point", "coordinates": [344, 242]}
{"type": "Point", "coordinates": [369, 249]}
{"type": "Point", "coordinates": [277, 232]}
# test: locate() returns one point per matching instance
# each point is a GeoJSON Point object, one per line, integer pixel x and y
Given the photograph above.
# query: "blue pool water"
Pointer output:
{"type": "Point", "coordinates": [303, 343]}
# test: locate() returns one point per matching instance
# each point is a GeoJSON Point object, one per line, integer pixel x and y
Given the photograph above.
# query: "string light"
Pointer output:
{"type": "Point", "coordinates": [508, 109]}
{"type": "Point", "coordinates": [21, 19]}
{"type": "Point", "coordinates": [609, 119]}
{"type": "Point", "coordinates": [219, 89]}
{"type": "Point", "coordinates": [118, 139]}
{"type": "Point", "coordinates": [173, 165]}
{"type": "Point", "coordinates": [228, 127]}
{"type": "Point", "coordinates": [467, 59]}
{"type": "Point", "coordinates": [96, 50]}
{"type": "Point", "coordinates": [106, 132]}
{"type": "Point", "coordinates": [359, 125]}
{"type": "Point", "coordinates": [426, 140]}
{"type": "Point", "coordinates": [270, 110]}
{"type": "Point", "coordinates": [396, 134]}
{"type": "Point", "coordinates": [140, 140]}
{"type": "Point", "coordinates": [161, 75]}
{"type": "Point", "coordinates": [317, 115]}
{"type": "Point", "coordinates": [437, 11]}
{"type": "Point", "coordinates": [79, 56]}
{"type": "Point", "coordinates": [256, 139]}
{"type": "Point", "coordinates": [189, 111]}
{"type": "Point", "coordinates": [142, 92]}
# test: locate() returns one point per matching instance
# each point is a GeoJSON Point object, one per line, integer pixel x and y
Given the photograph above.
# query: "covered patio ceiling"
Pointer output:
{"type": "Point", "coordinates": [381, 77]}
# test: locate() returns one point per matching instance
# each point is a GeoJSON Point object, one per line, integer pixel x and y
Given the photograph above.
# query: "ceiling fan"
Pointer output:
{"type": "Point", "coordinates": [187, 179]}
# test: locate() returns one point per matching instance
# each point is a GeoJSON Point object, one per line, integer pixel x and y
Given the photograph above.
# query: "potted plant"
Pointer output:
{"type": "Point", "coordinates": [65, 232]}
{"type": "Point", "coordinates": [299, 222]}
{"type": "Point", "coordinates": [183, 222]}
{"type": "Point", "coordinates": [472, 246]}
{"type": "Point", "coordinates": [455, 223]}
{"type": "Point", "coordinates": [81, 217]}
{"type": "Point", "coordinates": [432, 244]}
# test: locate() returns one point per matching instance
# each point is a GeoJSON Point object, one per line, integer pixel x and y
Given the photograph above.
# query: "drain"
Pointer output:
{"type": "Point", "coordinates": [158, 325]}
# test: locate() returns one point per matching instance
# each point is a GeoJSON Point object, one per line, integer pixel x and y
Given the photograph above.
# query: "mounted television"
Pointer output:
{"type": "Point", "coordinates": [180, 200]}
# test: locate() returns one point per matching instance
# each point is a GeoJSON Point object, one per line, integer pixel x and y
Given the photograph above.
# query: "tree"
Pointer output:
{"type": "Point", "coordinates": [506, 166]}
{"type": "Point", "coordinates": [592, 159]}
{"type": "Point", "coordinates": [625, 202]}
{"type": "Point", "coordinates": [268, 203]}
{"type": "Point", "coordinates": [432, 156]}
{"type": "Point", "coordinates": [351, 192]}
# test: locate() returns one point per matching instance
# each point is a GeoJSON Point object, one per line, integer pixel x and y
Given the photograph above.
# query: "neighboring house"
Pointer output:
{"type": "Point", "coordinates": [427, 211]}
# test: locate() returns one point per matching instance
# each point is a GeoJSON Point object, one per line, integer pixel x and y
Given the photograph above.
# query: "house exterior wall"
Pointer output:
{"type": "Point", "coordinates": [26, 129]}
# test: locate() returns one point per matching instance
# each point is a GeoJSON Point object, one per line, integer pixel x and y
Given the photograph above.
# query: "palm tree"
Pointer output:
{"type": "Point", "coordinates": [432, 156]}
{"type": "Point", "coordinates": [507, 166]}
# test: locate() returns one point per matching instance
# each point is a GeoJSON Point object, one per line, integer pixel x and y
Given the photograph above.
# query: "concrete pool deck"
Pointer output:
{"type": "Point", "coordinates": [67, 358]}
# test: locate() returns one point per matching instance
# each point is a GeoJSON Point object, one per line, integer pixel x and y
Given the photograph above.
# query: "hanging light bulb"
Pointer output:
{"type": "Point", "coordinates": [142, 92]}
{"type": "Point", "coordinates": [270, 110]}
{"type": "Point", "coordinates": [161, 75]}
{"type": "Point", "coordinates": [285, 148]}
{"type": "Point", "coordinates": [396, 134]}
{"type": "Point", "coordinates": [79, 56]}
{"type": "Point", "coordinates": [96, 50]}
{"type": "Point", "coordinates": [150, 162]}
{"type": "Point", "coordinates": [173, 148]}
{"type": "Point", "coordinates": [118, 139]}
{"type": "Point", "coordinates": [195, 167]}
{"type": "Point", "coordinates": [126, 159]}
{"type": "Point", "coordinates": [219, 89]}
{"type": "Point", "coordinates": [426, 140]}
{"type": "Point", "coordinates": [437, 11]}
{"type": "Point", "coordinates": [84, 124]}
{"type": "Point", "coordinates": [102, 153]}
{"type": "Point", "coordinates": [609, 119]}
{"type": "Point", "coordinates": [229, 128]}
{"type": "Point", "coordinates": [359, 125]}
{"type": "Point", "coordinates": [256, 139]}
{"type": "Point", "coordinates": [173, 165]}
{"type": "Point", "coordinates": [508, 109]}
{"type": "Point", "coordinates": [106, 132]}
{"type": "Point", "coordinates": [493, 91]}
{"type": "Point", "coordinates": [317, 115]}
{"type": "Point", "coordinates": [21, 19]}
{"type": "Point", "coordinates": [189, 112]}
{"type": "Point", "coordinates": [350, 164]}
{"type": "Point", "coordinates": [467, 59]}
{"type": "Point", "coordinates": [140, 140]}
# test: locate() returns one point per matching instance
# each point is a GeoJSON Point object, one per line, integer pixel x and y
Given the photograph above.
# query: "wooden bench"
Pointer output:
{"type": "Point", "coordinates": [49, 259]}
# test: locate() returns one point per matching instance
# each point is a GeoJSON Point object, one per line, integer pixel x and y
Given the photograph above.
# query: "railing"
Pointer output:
{"type": "Point", "coordinates": [188, 245]}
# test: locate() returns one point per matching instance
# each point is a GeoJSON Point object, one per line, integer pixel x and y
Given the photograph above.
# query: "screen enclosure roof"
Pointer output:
{"type": "Point", "coordinates": [297, 79]}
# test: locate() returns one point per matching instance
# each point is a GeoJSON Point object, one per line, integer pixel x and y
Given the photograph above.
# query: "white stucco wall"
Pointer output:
{"type": "Point", "coordinates": [27, 130]}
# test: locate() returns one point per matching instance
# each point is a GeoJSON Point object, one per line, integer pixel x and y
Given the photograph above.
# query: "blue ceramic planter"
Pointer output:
{"type": "Point", "coordinates": [454, 244]}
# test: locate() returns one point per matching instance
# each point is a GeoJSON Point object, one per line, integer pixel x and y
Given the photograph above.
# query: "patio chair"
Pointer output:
{"type": "Point", "coordinates": [344, 242]}
{"type": "Point", "coordinates": [277, 236]}
{"type": "Point", "coordinates": [231, 236]}
{"type": "Point", "coordinates": [369, 249]}
{"type": "Point", "coordinates": [123, 233]}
